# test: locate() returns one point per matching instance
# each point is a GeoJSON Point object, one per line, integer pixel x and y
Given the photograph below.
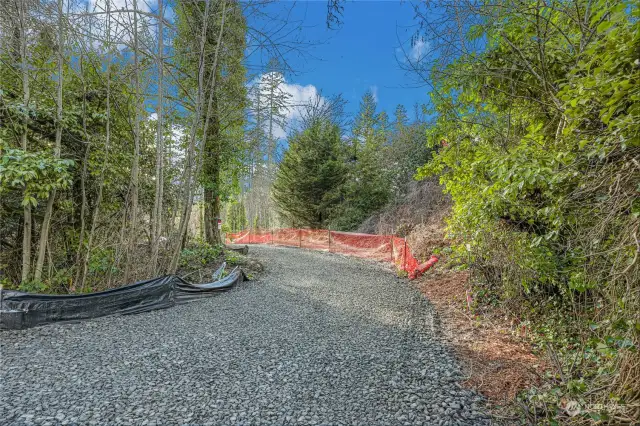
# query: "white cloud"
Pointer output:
{"type": "Point", "coordinates": [298, 96]}
{"type": "Point", "coordinates": [418, 50]}
{"type": "Point", "coordinates": [374, 92]}
{"type": "Point", "coordinates": [121, 22]}
{"type": "Point", "coordinates": [178, 132]}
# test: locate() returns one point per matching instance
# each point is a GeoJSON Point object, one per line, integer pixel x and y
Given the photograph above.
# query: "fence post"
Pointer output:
{"type": "Point", "coordinates": [272, 237]}
{"type": "Point", "coordinates": [329, 231]}
{"type": "Point", "coordinates": [391, 248]}
{"type": "Point", "coordinates": [405, 254]}
{"type": "Point", "coordinates": [300, 237]}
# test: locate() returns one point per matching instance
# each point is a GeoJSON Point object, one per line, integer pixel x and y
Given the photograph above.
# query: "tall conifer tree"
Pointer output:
{"type": "Point", "coordinates": [310, 174]}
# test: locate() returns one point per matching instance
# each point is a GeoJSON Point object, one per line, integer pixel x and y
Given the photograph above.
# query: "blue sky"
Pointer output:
{"type": "Point", "coordinates": [362, 54]}
{"type": "Point", "coordinates": [366, 52]}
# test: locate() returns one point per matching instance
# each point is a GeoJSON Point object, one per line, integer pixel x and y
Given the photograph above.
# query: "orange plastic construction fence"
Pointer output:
{"type": "Point", "coordinates": [385, 248]}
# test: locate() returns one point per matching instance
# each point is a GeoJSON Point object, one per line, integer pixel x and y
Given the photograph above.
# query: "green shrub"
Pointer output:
{"type": "Point", "coordinates": [542, 166]}
{"type": "Point", "coordinates": [198, 254]}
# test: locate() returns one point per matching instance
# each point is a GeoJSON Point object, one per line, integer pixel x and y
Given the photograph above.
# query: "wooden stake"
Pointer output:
{"type": "Point", "coordinates": [391, 248]}
{"type": "Point", "coordinates": [405, 254]}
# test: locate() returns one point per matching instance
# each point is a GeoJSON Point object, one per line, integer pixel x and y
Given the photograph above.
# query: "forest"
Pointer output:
{"type": "Point", "coordinates": [121, 148]}
{"type": "Point", "coordinates": [128, 133]}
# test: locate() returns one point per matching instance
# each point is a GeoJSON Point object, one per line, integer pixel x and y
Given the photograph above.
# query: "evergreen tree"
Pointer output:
{"type": "Point", "coordinates": [276, 105]}
{"type": "Point", "coordinates": [268, 112]}
{"type": "Point", "coordinates": [401, 117]}
{"type": "Point", "coordinates": [309, 176]}
{"type": "Point", "coordinates": [368, 185]}
{"type": "Point", "coordinates": [408, 150]}
{"type": "Point", "coordinates": [364, 123]}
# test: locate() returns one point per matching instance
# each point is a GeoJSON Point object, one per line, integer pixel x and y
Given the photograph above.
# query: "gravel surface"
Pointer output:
{"type": "Point", "coordinates": [319, 339]}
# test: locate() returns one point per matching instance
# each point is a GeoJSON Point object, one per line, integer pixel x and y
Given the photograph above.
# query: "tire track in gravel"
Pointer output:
{"type": "Point", "coordinates": [318, 339]}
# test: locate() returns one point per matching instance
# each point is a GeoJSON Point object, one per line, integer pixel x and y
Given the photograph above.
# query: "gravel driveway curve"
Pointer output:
{"type": "Point", "coordinates": [319, 339]}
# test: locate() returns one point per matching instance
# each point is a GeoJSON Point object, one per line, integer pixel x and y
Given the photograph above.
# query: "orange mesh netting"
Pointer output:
{"type": "Point", "coordinates": [384, 248]}
{"type": "Point", "coordinates": [369, 246]}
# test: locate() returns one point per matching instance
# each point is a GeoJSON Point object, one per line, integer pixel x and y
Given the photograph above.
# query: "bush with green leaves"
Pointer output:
{"type": "Point", "coordinates": [537, 135]}
{"type": "Point", "coordinates": [36, 174]}
{"type": "Point", "coordinates": [198, 254]}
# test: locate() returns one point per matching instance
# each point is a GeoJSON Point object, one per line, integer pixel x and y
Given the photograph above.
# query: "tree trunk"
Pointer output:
{"type": "Point", "coordinates": [203, 228]}
{"type": "Point", "coordinates": [27, 224]}
{"type": "Point", "coordinates": [83, 177]}
{"type": "Point", "coordinates": [188, 197]}
{"type": "Point", "coordinates": [46, 222]}
{"type": "Point", "coordinates": [96, 209]}
{"type": "Point", "coordinates": [135, 165]}
{"type": "Point", "coordinates": [211, 173]}
{"type": "Point", "coordinates": [156, 222]}
{"type": "Point", "coordinates": [182, 232]}
{"type": "Point", "coordinates": [211, 216]}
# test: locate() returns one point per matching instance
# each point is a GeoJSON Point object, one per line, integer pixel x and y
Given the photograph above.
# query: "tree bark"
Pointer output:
{"type": "Point", "coordinates": [27, 222]}
{"type": "Point", "coordinates": [46, 222]}
{"type": "Point", "coordinates": [85, 164]}
{"type": "Point", "coordinates": [156, 222]}
{"type": "Point", "coordinates": [212, 175]}
{"type": "Point", "coordinates": [135, 164]}
{"type": "Point", "coordinates": [107, 146]}
{"type": "Point", "coordinates": [186, 214]}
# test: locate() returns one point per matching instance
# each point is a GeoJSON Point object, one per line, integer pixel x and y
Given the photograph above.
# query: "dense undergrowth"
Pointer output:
{"type": "Point", "coordinates": [538, 144]}
{"type": "Point", "coordinates": [98, 186]}
{"type": "Point", "coordinates": [197, 261]}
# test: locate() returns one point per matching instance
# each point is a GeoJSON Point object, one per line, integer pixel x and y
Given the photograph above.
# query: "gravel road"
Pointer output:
{"type": "Point", "coordinates": [319, 339]}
